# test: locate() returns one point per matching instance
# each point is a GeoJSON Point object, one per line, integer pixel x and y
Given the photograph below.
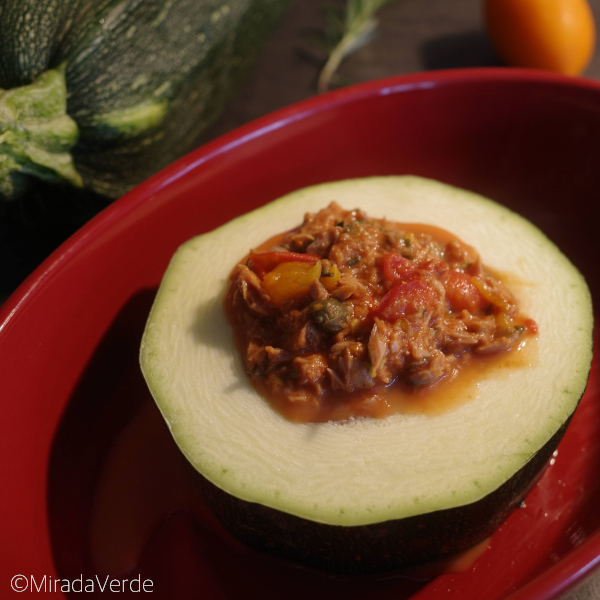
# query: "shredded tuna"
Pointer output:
{"type": "Point", "coordinates": [352, 304]}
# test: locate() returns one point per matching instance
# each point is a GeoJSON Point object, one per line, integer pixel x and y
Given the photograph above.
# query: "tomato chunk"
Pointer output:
{"type": "Point", "coordinates": [406, 299]}
{"type": "Point", "coordinates": [396, 268]}
{"type": "Point", "coordinates": [462, 293]}
{"type": "Point", "coordinates": [263, 262]}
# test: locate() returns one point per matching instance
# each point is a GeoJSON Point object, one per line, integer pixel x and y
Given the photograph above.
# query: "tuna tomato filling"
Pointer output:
{"type": "Point", "coordinates": [345, 307]}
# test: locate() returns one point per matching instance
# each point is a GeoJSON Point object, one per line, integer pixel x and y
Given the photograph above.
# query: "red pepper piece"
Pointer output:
{"type": "Point", "coordinates": [531, 326]}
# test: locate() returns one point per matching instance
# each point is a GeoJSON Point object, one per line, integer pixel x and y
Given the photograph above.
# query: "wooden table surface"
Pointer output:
{"type": "Point", "coordinates": [413, 36]}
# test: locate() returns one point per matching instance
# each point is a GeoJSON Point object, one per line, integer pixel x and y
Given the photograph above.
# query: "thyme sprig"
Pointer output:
{"type": "Point", "coordinates": [346, 33]}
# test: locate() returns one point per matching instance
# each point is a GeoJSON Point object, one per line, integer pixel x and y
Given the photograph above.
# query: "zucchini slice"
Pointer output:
{"type": "Point", "coordinates": [368, 495]}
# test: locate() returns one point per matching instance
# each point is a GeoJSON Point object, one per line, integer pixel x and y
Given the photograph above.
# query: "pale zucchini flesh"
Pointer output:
{"type": "Point", "coordinates": [366, 471]}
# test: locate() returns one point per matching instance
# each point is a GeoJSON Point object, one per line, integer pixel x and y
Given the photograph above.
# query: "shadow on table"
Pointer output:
{"type": "Point", "coordinates": [468, 49]}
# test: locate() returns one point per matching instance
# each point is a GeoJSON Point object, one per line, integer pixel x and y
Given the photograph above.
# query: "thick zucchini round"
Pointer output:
{"type": "Point", "coordinates": [368, 494]}
{"type": "Point", "coordinates": [139, 81]}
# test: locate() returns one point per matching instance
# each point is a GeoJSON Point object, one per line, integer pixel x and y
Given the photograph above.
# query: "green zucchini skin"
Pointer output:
{"type": "Point", "coordinates": [385, 547]}
{"type": "Point", "coordinates": [30, 32]}
{"type": "Point", "coordinates": [144, 78]}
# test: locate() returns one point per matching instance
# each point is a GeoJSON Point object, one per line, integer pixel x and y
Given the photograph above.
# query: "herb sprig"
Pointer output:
{"type": "Point", "coordinates": [346, 33]}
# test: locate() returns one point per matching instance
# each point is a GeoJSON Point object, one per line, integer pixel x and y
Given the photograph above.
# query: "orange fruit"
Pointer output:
{"type": "Point", "coordinates": [555, 35]}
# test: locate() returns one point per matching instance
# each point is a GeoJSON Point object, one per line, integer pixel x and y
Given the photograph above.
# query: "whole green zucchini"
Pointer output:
{"type": "Point", "coordinates": [104, 93]}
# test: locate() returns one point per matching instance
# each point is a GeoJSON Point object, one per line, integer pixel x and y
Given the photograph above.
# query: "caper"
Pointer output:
{"type": "Point", "coordinates": [329, 314]}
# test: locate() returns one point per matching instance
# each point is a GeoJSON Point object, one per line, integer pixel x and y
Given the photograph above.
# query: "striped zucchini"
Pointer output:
{"type": "Point", "coordinates": [104, 93]}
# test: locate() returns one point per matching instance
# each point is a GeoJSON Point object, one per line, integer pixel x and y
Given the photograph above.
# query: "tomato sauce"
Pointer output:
{"type": "Point", "coordinates": [347, 316]}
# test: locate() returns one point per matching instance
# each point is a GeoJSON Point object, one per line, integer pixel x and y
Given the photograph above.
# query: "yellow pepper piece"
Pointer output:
{"type": "Point", "coordinates": [290, 279]}
{"type": "Point", "coordinates": [330, 280]}
{"type": "Point", "coordinates": [490, 295]}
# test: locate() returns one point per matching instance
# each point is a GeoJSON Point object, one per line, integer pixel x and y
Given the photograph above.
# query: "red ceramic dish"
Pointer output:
{"type": "Point", "coordinates": [92, 484]}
